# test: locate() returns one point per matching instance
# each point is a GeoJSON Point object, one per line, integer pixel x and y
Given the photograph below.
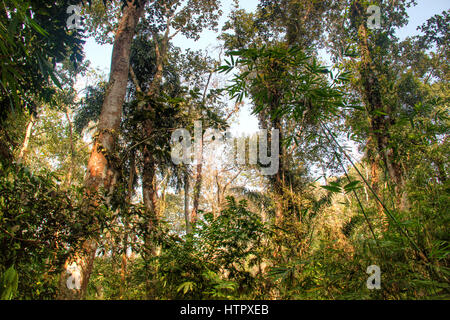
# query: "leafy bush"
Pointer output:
{"type": "Point", "coordinates": [39, 224]}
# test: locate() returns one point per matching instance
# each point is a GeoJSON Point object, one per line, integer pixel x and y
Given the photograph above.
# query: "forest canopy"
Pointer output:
{"type": "Point", "coordinates": [136, 184]}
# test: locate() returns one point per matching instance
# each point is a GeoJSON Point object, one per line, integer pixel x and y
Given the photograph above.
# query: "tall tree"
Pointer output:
{"type": "Point", "coordinates": [101, 169]}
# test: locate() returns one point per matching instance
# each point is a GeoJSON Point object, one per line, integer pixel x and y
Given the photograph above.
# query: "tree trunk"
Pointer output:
{"type": "Point", "coordinates": [72, 151]}
{"type": "Point", "coordinates": [149, 164]}
{"type": "Point", "coordinates": [374, 182]}
{"type": "Point", "coordinates": [26, 140]}
{"type": "Point", "coordinates": [149, 192]}
{"type": "Point", "coordinates": [198, 181]}
{"type": "Point", "coordinates": [219, 196]}
{"type": "Point", "coordinates": [186, 202]}
{"type": "Point", "coordinates": [148, 187]}
{"type": "Point", "coordinates": [149, 195]}
{"type": "Point", "coordinates": [101, 172]}
{"type": "Point", "coordinates": [199, 156]}
{"type": "Point", "coordinates": [279, 183]}
{"type": "Point", "coordinates": [83, 260]}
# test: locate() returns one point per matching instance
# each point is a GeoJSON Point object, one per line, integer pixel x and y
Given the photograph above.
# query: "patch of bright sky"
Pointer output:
{"type": "Point", "coordinates": [245, 123]}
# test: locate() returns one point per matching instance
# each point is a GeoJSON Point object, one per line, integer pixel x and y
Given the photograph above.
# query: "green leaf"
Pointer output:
{"type": "Point", "coordinates": [380, 113]}
{"type": "Point", "coordinates": [351, 186]}
{"type": "Point", "coordinates": [330, 188]}
{"type": "Point", "coordinates": [8, 284]}
{"type": "Point", "coordinates": [186, 287]}
{"type": "Point", "coordinates": [356, 107]}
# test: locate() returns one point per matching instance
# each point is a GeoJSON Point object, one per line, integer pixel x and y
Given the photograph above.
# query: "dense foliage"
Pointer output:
{"type": "Point", "coordinates": [363, 166]}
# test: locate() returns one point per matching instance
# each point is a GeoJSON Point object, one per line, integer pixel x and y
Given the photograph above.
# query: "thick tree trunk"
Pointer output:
{"type": "Point", "coordinates": [101, 172]}
{"type": "Point", "coordinates": [83, 260]}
